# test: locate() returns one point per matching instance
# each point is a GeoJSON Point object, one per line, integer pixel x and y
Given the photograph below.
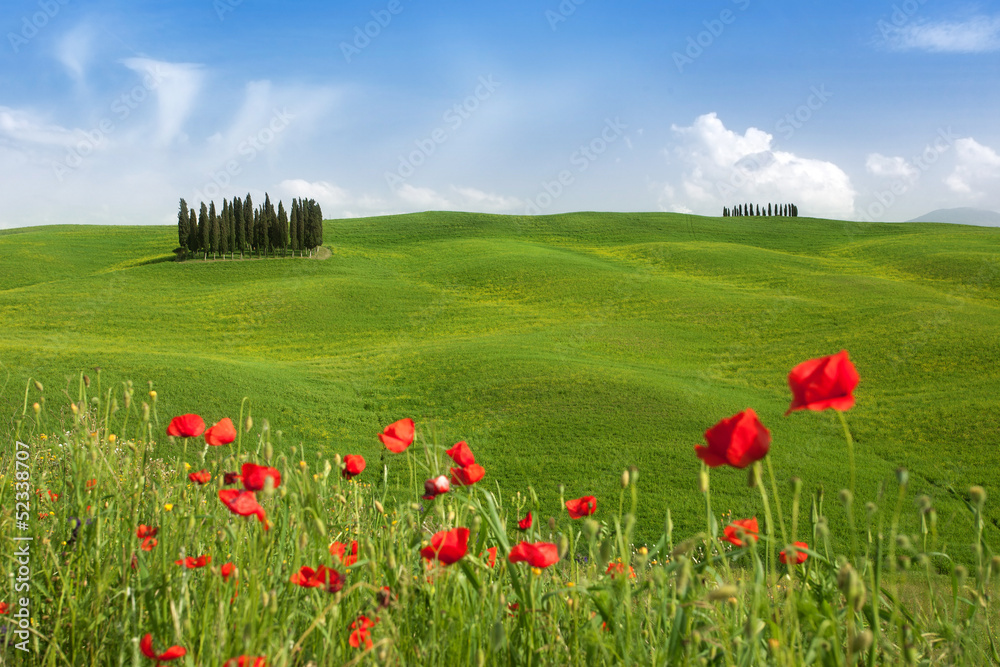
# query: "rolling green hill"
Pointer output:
{"type": "Point", "coordinates": [562, 348]}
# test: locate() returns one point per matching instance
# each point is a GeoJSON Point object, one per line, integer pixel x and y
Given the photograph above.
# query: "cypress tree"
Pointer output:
{"type": "Point", "coordinates": [248, 223]}
{"type": "Point", "coordinates": [224, 228]}
{"type": "Point", "coordinates": [238, 226]}
{"type": "Point", "coordinates": [183, 218]}
{"type": "Point", "coordinates": [193, 237]}
{"type": "Point", "coordinates": [282, 229]}
{"type": "Point", "coordinates": [256, 230]}
{"type": "Point", "coordinates": [213, 236]}
{"type": "Point", "coordinates": [317, 223]}
{"type": "Point", "coordinates": [264, 232]}
{"type": "Point", "coordinates": [769, 210]}
{"type": "Point", "coordinates": [294, 227]}
{"type": "Point", "coordinates": [203, 229]}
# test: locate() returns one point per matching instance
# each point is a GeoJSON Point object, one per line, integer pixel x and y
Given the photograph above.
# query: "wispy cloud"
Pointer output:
{"type": "Point", "coordinates": [980, 34]}
{"type": "Point", "coordinates": [176, 86]}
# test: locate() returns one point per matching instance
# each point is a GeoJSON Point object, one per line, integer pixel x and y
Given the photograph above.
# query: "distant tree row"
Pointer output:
{"type": "Point", "coordinates": [241, 228]}
{"type": "Point", "coordinates": [745, 210]}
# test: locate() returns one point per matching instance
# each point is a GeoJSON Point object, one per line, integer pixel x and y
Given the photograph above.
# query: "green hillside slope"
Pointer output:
{"type": "Point", "coordinates": [562, 348]}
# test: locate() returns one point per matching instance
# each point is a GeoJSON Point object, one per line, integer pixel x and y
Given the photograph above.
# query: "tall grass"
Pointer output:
{"type": "Point", "coordinates": [877, 598]}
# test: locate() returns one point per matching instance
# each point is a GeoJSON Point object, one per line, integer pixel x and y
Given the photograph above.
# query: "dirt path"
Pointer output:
{"type": "Point", "coordinates": [324, 253]}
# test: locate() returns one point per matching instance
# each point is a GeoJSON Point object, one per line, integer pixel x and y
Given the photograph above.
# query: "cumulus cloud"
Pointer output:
{"type": "Point", "coordinates": [980, 34]}
{"type": "Point", "coordinates": [977, 169]}
{"type": "Point", "coordinates": [722, 168]}
{"type": "Point", "coordinates": [890, 167]}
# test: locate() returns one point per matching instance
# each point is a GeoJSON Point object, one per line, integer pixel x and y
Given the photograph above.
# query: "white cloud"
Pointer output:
{"type": "Point", "coordinates": [486, 202]}
{"type": "Point", "coordinates": [20, 126]}
{"type": "Point", "coordinates": [327, 194]}
{"type": "Point", "coordinates": [975, 166]}
{"type": "Point", "coordinates": [980, 34]}
{"type": "Point", "coordinates": [723, 168]}
{"type": "Point", "coordinates": [890, 167]}
{"type": "Point", "coordinates": [176, 86]}
{"type": "Point", "coordinates": [75, 50]}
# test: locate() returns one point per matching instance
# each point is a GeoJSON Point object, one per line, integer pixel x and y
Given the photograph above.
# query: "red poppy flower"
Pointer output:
{"type": "Point", "coordinates": [361, 634]}
{"type": "Point", "coordinates": [397, 436]}
{"type": "Point", "coordinates": [231, 478]}
{"type": "Point", "coordinates": [243, 503]}
{"type": "Point", "coordinates": [339, 549]}
{"type": "Point", "coordinates": [222, 433]}
{"type": "Point", "coordinates": [148, 543]}
{"type": "Point", "coordinates": [171, 653]}
{"type": "Point", "coordinates": [201, 477]}
{"type": "Point", "coordinates": [4, 608]}
{"type": "Point", "coordinates": [246, 661]}
{"type": "Point", "coordinates": [146, 531]}
{"type": "Point", "coordinates": [186, 426]}
{"type": "Point", "coordinates": [385, 597]}
{"type": "Point", "coordinates": [324, 577]}
{"type": "Point", "coordinates": [461, 454]}
{"type": "Point", "coordinates": [525, 523]}
{"type": "Point", "coordinates": [435, 487]}
{"type": "Point", "coordinates": [91, 483]}
{"type": "Point", "coordinates": [737, 441]}
{"type": "Point", "coordinates": [192, 563]}
{"type": "Point", "coordinates": [537, 554]}
{"type": "Point", "coordinates": [468, 475]}
{"type": "Point", "coordinates": [53, 496]}
{"type": "Point", "coordinates": [254, 476]}
{"type": "Point", "coordinates": [819, 384]}
{"type": "Point", "coordinates": [354, 464]}
{"type": "Point", "coordinates": [227, 571]}
{"type": "Point", "coordinates": [619, 568]}
{"type": "Point", "coordinates": [448, 546]}
{"type": "Point", "coordinates": [748, 527]}
{"type": "Point", "coordinates": [491, 556]}
{"type": "Point", "coordinates": [800, 556]}
{"type": "Point", "coordinates": [581, 507]}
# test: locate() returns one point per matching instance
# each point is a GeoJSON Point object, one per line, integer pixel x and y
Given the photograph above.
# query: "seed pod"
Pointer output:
{"type": "Point", "coordinates": [381, 510]}
{"type": "Point", "coordinates": [625, 479]}
{"type": "Point", "coordinates": [977, 495]}
{"type": "Point", "coordinates": [863, 641]}
{"type": "Point", "coordinates": [902, 476]}
{"type": "Point", "coordinates": [249, 423]}
{"type": "Point", "coordinates": [846, 497]}
{"type": "Point", "coordinates": [39, 387]}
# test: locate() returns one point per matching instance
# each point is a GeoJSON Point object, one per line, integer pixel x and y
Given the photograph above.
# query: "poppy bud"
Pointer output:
{"type": "Point", "coordinates": [191, 524]}
{"type": "Point", "coordinates": [39, 387]}
{"type": "Point", "coordinates": [320, 526]}
{"type": "Point", "coordinates": [268, 452]}
{"type": "Point", "coordinates": [924, 503]}
{"type": "Point", "coordinates": [269, 486]}
{"type": "Point", "coordinates": [303, 542]}
{"type": "Point", "coordinates": [265, 598]}
{"type": "Point", "coordinates": [74, 408]}
{"type": "Point", "coordinates": [903, 542]}
{"type": "Point", "coordinates": [863, 641]}
{"type": "Point", "coordinates": [552, 523]}
{"type": "Point", "coordinates": [871, 508]}
{"type": "Point", "coordinates": [381, 510]}
{"type": "Point", "coordinates": [633, 475]}
{"type": "Point", "coordinates": [37, 408]}
{"type": "Point", "coordinates": [796, 485]}
{"type": "Point", "coordinates": [723, 593]}
{"type": "Point", "coordinates": [249, 423]}
{"type": "Point", "coordinates": [590, 528]}
{"type": "Point", "coordinates": [961, 573]}
{"type": "Point", "coordinates": [563, 546]}
{"type": "Point", "coordinates": [605, 552]}
{"type": "Point", "coordinates": [145, 411]}
{"type": "Point", "coordinates": [703, 481]}
{"type": "Point", "coordinates": [846, 497]}
{"type": "Point", "coordinates": [128, 400]}
{"type": "Point", "coordinates": [274, 602]}
{"type": "Point", "coordinates": [902, 476]}
{"type": "Point", "coordinates": [625, 479]}
{"type": "Point", "coordinates": [977, 495]}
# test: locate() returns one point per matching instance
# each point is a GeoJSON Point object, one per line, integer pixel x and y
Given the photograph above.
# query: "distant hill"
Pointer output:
{"type": "Point", "coordinates": [962, 216]}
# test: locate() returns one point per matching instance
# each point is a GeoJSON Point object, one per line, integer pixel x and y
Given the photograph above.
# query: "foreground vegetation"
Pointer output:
{"type": "Point", "coordinates": [566, 348]}
{"type": "Point", "coordinates": [137, 561]}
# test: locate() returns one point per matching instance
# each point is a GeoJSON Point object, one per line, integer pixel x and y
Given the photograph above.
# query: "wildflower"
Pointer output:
{"type": "Point", "coordinates": [186, 426]}
{"type": "Point", "coordinates": [222, 433]}
{"type": "Point", "coordinates": [385, 597]}
{"type": "Point", "coordinates": [581, 507]}
{"type": "Point", "coordinates": [192, 563]}
{"type": "Point", "coordinates": [537, 554]}
{"type": "Point", "coordinates": [171, 653]}
{"type": "Point", "coordinates": [338, 550]}
{"type": "Point", "coordinates": [91, 483]}
{"type": "Point", "coordinates": [461, 454]}
{"type": "Point", "coordinates": [468, 475]}
{"type": "Point", "coordinates": [820, 384]}
{"type": "Point", "coordinates": [748, 527]}
{"type": "Point", "coordinates": [243, 503]}
{"type": "Point", "coordinates": [800, 556]}
{"type": "Point", "coordinates": [246, 661]}
{"type": "Point", "coordinates": [231, 478]}
{"type": "Point", "coordinates": [201, 477]}
{"type": "Point", "coordinates": [525, 523]}
{"type": "Point", "coordinates": [354, 465]}
{"type": "Point", "coordinates": [255, 476]}
{"type": "Point", "coordinates": [619, 568]}
{"type": "Point", "coordinates": [4, 608]}
{"type": "Point", "coordinates": [448, 546]}
{"type": "Point", "coordinates": [435, 487]}
{"type": "Point", "coordinates": [148, 536]}
{"type": "Point", "coordinates": [397, 436]}
{"type": "Point", "coordinates": [52, 496]}
{"type": "Point", "coordinates": [737, 441]}
{"type": "Point", "coordinates": [326, 578]}
{"type": "Point", "coordinates": [168, 506]}
{"type": "Point", "coordinates": [227, 571]}
{"type": "Point", "coordinates": [112, 437]}
{"type": "Point", "coordinates": [491, 556]}
{"type": "Point", "coordinates": [361, 633]}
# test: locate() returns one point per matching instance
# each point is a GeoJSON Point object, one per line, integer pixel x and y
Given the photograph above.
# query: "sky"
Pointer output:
{"type": "Point", "coordinates": [113, 110]}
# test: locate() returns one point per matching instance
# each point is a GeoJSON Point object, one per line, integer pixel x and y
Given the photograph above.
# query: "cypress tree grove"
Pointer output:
{"type": "Point", "coordinates": [203, 229]}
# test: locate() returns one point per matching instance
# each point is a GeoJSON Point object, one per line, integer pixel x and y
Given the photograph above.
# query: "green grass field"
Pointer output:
{"type": "Point", "coordinates": [562, 348]}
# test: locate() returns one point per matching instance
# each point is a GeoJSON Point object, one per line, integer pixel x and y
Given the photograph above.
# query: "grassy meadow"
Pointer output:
{"type": "Point", "coordinates": [564, 348]}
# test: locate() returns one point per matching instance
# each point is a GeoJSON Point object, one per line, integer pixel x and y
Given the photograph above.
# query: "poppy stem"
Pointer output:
{"type": "Point", "coordinates": [767, 516]}
{"type": "Point", "coordinates": [850, 447]}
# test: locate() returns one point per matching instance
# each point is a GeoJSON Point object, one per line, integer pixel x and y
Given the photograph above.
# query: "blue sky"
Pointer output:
{"type": "Point", "coordinates": [110, 111]}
